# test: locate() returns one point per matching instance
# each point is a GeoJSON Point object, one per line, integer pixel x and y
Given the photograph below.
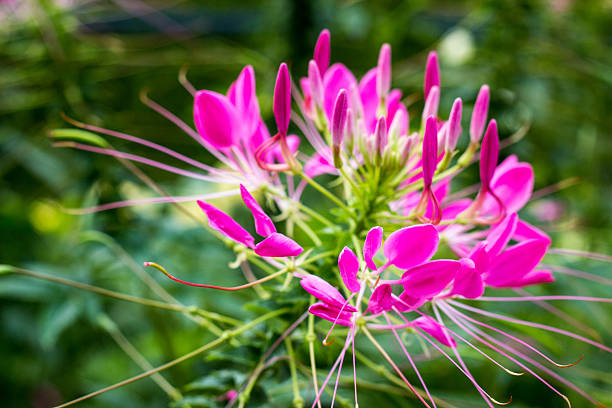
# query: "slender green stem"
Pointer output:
{"type": "Point", "coordinates": [226, 336]}
{"type": "Point", "coordinates": [311, 234]}
{"type": "Point", "coordinates": [325, 192]}
{"type": "Point", "coordinates": [298, 401]}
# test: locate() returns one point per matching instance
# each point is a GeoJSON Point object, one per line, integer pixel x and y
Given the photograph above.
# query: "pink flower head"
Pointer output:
{"type": "Point", "coordinates": [479, 114]}
{"type": "Point", "coordinates": [216, 119]}
{"type": "Point", "coordinates": [274, 244]}
{"type": "Point", "coordinates": [322, 51]}
{"type": "Point", "coordinates": [282, 99]}
{"type": "Point", "coordinates": [432, 73]}
{"type": "Point", "coordinates": [383, 73]}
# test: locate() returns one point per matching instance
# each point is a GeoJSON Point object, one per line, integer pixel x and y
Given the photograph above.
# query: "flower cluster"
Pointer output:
{"type": "Point", "coordinates": [392, 204]}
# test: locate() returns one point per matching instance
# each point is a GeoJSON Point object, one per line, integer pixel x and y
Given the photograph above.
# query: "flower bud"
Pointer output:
{"type": "Point", "coordinates": [479, 114]}
{"type": "Point", "coordinates": [383, 71]}
{"type": "Point", "coordinates": [315, 84]}
{"type": "Point", "coordinates": [321, 51]}
{"type": "Point", "coordinates": [281, 104]}
{"type": "Point", "coordinates": [432, 73]}
{"type": "Point", "coordinates": [380, 135]}
{"type": "Point", "coordinates": [338, 124]}
{"type": "Point", "coordinates": [431, 103]}
{"type": "Point", "coordinates": [489, 154]}
{"type": "Point", "coordinates": [409, 142]}
{"type": "Point", "coordinates": [454, 126]}
{"type": "Point", "coordinates": [430, 151]}
{"type": "Point", "coordinates": [395, 129]}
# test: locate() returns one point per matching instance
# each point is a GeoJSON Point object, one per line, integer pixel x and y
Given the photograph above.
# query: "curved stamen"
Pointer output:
{"type": "Point", "coordinates": [202, 285]}
{"type": "Point", "coordinates": [262, 150]}
{"type": "Point", "coordinates": [144, 201]}
{"type": "Point", "coordinates": [140, 141]}
{"type": "Point", "coordinates": [522, 342]}
{"type": "Point", "coordinates": [421, 207]}
{"type": "Point", "coordinates": [182, 78]}
{"type": "Point", "coordinates": [531, 324]}
{"type": "Point", "coordinates": [325, 342]}
{"type": "Point", "coordinates": [471, 333]}
{"type": "Point", "coordinates": [140, 159]}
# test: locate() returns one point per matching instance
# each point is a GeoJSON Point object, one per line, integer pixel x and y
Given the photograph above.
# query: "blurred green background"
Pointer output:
{"type": "Point", "coordinates": [549, 64]}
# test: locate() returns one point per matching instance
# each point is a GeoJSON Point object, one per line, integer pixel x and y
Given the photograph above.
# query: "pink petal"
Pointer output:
{"type": "Point", "coordinates": [216, 119]}
{"type": "Point", "coordinates": [535, 277]}
{"type": "Point", "coordinates": [318, 165]}
{"type": "Point", "coordinates": [371, 246]}
{"type": "Point", "coordinates": [322, 51]}
{"type": "Point", "coordinates": [430, 326]}
{"type": "Point", "coordinates": [525, 231]}
{"type": "Point", "coordinates": [431, 278]}
{"type": "Point", "coordinates": [432, 73]}
{"type": "Point", "coordinates": [331, 314]}
{"type": "Point", "coordinates": [369, 99]}
{"type": "Point", "coordinates": [479, 114]}
{"type": "Point", "coordinates": [263, 224]}
{"type": "Point", "coordinates": [430, 150]}
{"type": "Point", "coordinates": [336, 78]}
{"type": "Point", "coordinates": [223, 223]}
{"type": "Point", "coordinates": [468, 282]}
{"type": "Point", "coordinates": [512, 183]}
{"type": "Point", "coordinates": [381, 299]}
{"type": "Point", "coordinates": [325, 292]}
{"type": "Point", "coordinates": [454, 125]}
{"type": "Point", "coordinates": [396, 110]}
{"type": "Point", "coordinates": [488, 155]}
{"type": "Point", "coordinates": [281, 105]}
{"type": "Point", "coordinates": [515, 262]}
{"type": "Point", "coordinates": [411, 246]}
{"type": "Point", "coordinates": [383, 76]}
{"type": "Point", "coordinates": [349, 267]}
{"type": "Point", "coordinates": [500, 235]}
{"type": "Point", "coordinates": [246, 99]}
{"type": "Point", "coordinates": [278, 245]}
{"type": "Point", "coordinates": [407, 303]}
{"type": "Point", "coordinates": [480, 257]}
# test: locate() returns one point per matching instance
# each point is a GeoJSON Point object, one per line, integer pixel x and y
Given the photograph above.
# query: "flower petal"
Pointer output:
{"type": "Point", "coordinates": [500, 235]}
{"type": "Point", "coordinates": [322, 51]}
{"type": "Point", "coordinates": [381, 299]}
{"type": "Point", "coordinates": [278, 245]}
{"type": "Point", "coordinates": [336, 78]}
{"type": "Point", "coordinates": [512, 183]}
{"type": "Point", "coordinates": [432, 73]}
{"type": "Point", "coordinates": [430, 326]}
{"type": "Point", "coordinates": [431, 278]}
{"type": "Point", "coordinates": [525, 231]}
{"type": "Point", "coordinates": [479, 114]}
{"type": "Point", "coordinates": [349, 267]}
{"type": "Point", "coordinates": [383, 73]}
{"type": "Point", "coordinates": [515, 262]}
{"type": "Point", "coordinates": [430, 151]}
{"type": "Point", "coordinates": [488, 155]}
{"type": "Point", "coordinates": [223, 223]}
{"type": "Point", "coordinates": [371, 246]}
{"type": "Point", "coordinates": [325, 292]}
{"type": "Point", "coordinates": [411, 246]}
{"type": "Point", "coordinates": [468, 282]}
{"type": "Point", "coordinates": [215, 119]}
{"type": "Point", "coordinates": [331, 314]}
{"type": "Point", "coordinates": [535, 277]}
{"type": "Point", "coordinates": [406, 303]}
{"type": "Point", "coordinates": [263, 224]}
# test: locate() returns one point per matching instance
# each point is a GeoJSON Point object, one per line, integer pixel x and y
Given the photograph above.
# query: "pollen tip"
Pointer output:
{"type": "Point", "coordinates": [328, 342]}
{"type": "Point", "coordinates": [570, 365]}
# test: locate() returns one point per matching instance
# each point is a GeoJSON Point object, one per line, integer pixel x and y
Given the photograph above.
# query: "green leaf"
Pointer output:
{"type": "Point", "coordinates": [78, 135]}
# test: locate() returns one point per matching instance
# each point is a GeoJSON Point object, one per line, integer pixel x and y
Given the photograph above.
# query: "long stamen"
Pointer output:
{"type": "Point", "coordinates": [144, 142]}
{"type": "Point", "coordinates": [140, 159]}
{"type": "Point", "coordinates": [532, 298]}
{"type": "Point", "coordinates": [524, 343]}
{"type": "Point", "coordinates": [445, 354]}
{"type": "Point", "coordinates": [579, 274]}
{"type": "Point", "coordinates": [463, 339]}
{"type": "Point", "coordinates": [325, 342]}
{"type": "Point", "coordinates": [152, 200]}
{"type": "Point", "coordinates": [346, 345]}
{"type": "Point", "coordinates": [184, 127]}
{"type": "Point", "coordinates": [202, 285]}
{"type": "Point", "coordinates": [354, 367]}
{"type": "Point", "coordinates": [471, 333]}
{"type": "Point", "coordinates": [531, 324]}
{"type": "Point", "coordinates": [182, 78]}
{"type": "Point", "coordinates": [339, 372]}
{"type": "Point", "coordinates": [535, 364]}
{"type": "Point", "coordinates": [414, 367]}
{"type": "Point", "coordinates": [576, 252]}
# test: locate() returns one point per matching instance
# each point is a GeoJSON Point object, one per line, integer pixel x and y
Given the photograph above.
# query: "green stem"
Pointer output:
{"type": "Point", "coordinates": [325, 192]}
{"type": "Point", "coordinates": [298, 401]}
